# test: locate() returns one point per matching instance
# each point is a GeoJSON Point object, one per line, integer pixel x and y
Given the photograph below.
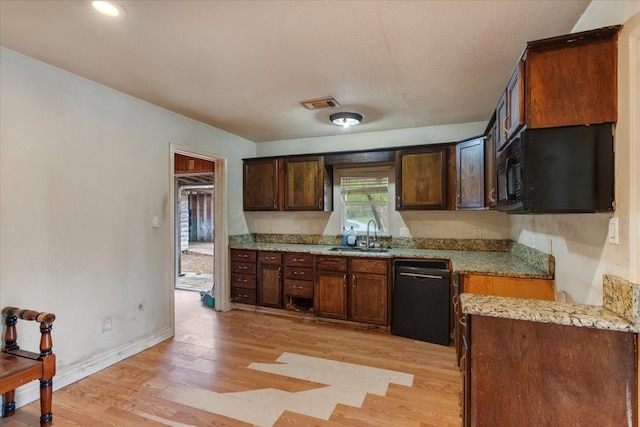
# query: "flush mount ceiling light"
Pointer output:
{"type": "Point", "coordinates": [108, 8]}
{"type": "Point", "coordinates": [346, 119]}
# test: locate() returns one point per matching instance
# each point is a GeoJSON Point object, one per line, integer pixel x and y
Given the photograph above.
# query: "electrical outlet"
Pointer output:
{"type": "Point", "coordinates": [106, 324]}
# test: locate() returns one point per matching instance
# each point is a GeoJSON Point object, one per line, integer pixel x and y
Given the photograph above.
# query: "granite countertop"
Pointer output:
{"type": "Point", "coordinates": [491, 263]}
{"type": "Point", "coordinates": [561, 313]}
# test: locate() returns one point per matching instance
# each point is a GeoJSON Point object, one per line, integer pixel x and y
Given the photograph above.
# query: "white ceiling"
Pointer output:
{"type": "Point", "coordinates": [244, 66]}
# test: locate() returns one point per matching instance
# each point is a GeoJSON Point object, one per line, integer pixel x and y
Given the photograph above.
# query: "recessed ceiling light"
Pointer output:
{"type": "Point", "coordinates": [108, 8]}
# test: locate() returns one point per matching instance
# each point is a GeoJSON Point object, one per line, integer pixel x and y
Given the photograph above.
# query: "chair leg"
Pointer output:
{"type": "Point", "coordinates": [46, 396]}
{"type": "Point", "coordinates": [9, 400]}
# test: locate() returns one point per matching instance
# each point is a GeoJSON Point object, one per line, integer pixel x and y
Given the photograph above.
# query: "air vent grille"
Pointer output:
{"type": "Point", "coordinates": [319, 104]}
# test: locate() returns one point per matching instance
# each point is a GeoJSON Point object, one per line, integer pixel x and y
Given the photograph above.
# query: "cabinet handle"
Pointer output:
{"type": "Point", "coordinates": [243, 256]}
{"type": "Point", "coordinates": [269, 258]}
{"type": "Point", "coordinates": [504, 126]}
{"type": "Point", "coordinates": [298, 273]}
{"type": "Point", "coordinates": [297, 287]}
{"type": "Point", "coordinates": [242, 267]}
{"type": "Point", "coordinates": [242, 280]}
{"type": "Point", "coordinates": [353, 281]}
{"type": "Point", "coordinates": [344, 280]}
{"type": "Point", "coordinates": [298, 260]}
{"type": "Point", "coordinates": [275, 203]}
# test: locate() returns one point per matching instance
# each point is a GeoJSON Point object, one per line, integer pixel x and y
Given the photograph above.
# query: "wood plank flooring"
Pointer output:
{"type": "Point", "coordinates": [212, 351]}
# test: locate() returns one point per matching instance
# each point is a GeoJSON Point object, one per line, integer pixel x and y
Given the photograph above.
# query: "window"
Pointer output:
{"type": "Point", "coordinates": [365, 196]}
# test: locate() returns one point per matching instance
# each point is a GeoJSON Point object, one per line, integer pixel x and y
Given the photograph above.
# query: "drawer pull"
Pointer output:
{"type": "Point", "coordinates": [243, 256]}
{"type": "Point", "coordinates": [242, 267]}
{"type": "Point", "coordinates": [297, 287]}
{"type": "Point", "coordinates": [299, 273]}
{"type": "Point", "coordinates": [298, 259]}
{"type": "Point", "coordinates": [243, 296]}
{"type": "Point", "coordinates": [242, 280]}
{"type": "Point", "coordinates": [270, 258]}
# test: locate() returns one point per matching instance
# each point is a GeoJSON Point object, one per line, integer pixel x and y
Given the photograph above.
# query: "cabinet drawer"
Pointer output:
{"type": "Point", "coordinates": [298, 273]}
{"type": "Point", "coordinates": [298, 288]}
{"type": "Point", "coordinates": [331, 263]}
{"type": "Point", "coordinates": [245, 296]}
{"type": "Point", "coordinates": [243, 280]}
{"type": "Point", "coordinates": [243, 267]}
{"type": "Point", "coordinates": [270, 258]}
{"type": "Point", "coordinates": [368, 265]}
{"type": "Point", "coordinates": [298, 259]}
{"type": "Point", "coordinates": [242, 255]}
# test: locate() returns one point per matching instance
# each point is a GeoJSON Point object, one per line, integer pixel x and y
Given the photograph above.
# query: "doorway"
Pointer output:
{"type": "Point", "coordinates": [194, 231]}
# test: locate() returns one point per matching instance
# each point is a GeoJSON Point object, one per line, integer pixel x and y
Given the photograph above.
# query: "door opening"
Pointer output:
{"type": "Point", "coordinates": [194, 231]}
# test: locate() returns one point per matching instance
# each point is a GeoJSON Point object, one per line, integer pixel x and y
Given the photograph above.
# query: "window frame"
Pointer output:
{"type": "Point", "coordinates": [385, 171]}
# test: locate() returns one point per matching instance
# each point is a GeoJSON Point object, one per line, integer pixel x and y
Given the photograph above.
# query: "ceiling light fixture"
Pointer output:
{"type": "Point", "coordinates": [346, 119]}
{"type": "Point", "coordinates": [108, 8]}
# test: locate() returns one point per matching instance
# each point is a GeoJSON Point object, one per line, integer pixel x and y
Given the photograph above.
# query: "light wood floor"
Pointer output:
{"type": "Point", "coordinates": [212, 351]}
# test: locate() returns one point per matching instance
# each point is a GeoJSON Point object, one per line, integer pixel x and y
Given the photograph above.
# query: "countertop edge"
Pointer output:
{"type": "Point", "coordinates": [560, 313]}
{"type": "Point", "coordinates": [458, 264]}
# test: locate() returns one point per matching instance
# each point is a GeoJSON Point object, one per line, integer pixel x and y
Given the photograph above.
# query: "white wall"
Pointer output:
{"type": "Point", "coordinates": [84, 169]}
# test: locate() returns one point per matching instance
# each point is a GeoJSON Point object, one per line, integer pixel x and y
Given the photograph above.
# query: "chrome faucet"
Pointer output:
{"type": "Point", "coordinates": [375, 233]}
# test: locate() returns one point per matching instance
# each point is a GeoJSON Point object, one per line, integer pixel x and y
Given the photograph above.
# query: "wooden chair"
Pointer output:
{"type": "Point", "coordinates": [18, 367]}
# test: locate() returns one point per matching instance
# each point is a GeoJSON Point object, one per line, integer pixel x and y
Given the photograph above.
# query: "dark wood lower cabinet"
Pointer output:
{"type": "Point", "coordinates": [352, 288]}
{"type": "Point", "coordinates": [330, 290]}
{"type": "Point", "coordinates": [524, 373]}
{"type": "Point", "coordinates": [270, 279]}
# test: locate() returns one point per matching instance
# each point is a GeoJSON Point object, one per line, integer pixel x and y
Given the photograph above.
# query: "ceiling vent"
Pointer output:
{"type": "Point", "coordinates": [319, 104]}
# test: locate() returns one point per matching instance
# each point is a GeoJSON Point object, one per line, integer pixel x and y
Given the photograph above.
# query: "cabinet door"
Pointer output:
{"type": "Point", "coordinates": [515, 104]}
{"type": "Point", "coordinates": [368, 297]}
{"type": "Point", "coordinates": [501, 122]}
{"type": "Point", "coordinates": [270, 285]}
{"type": "Point", "coordinates": [330, 294]}
{"type": "Point", "coordinates": [490, 172]}
{"type": "Point", "coordinates": [421, 181]}
{"type": "Point", "coordinates": [261, 185]}
{"type": "Point", "coordinates": [304, 183]}
{"type": "Point", "coordinates": [470, 174]}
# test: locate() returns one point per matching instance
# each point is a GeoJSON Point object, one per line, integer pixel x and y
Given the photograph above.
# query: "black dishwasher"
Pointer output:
{"type": "Point", "coordinates": [421, 300]}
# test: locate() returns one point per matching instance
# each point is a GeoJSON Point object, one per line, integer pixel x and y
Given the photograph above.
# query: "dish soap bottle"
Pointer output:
{"type": "Point", "coordinates": [344, 236]}
{"type": "Point", "coordinates": [352, 237]}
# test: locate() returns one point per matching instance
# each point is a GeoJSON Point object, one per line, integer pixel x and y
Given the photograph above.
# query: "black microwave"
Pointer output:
{"type": "Point", "coordinates": [558, 170]}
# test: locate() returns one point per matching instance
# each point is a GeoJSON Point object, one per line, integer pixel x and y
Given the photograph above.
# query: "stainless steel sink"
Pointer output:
{"type": "Point", "coordinates": [357, 249]}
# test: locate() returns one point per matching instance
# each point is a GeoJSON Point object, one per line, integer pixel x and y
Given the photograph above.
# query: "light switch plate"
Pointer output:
{"type": "Point", "coordinates": [614, 235]}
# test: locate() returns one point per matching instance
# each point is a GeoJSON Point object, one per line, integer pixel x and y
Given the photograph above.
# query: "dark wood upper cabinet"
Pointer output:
{"type": "Point", "coordinates": [307, 184]}
{"type": "Point", "coordinates": [296, 183]}
{"type": "Point", "coordinates": [572, 80]}
{"type": "Point", "coordinates": [423, 177]}
{"type": "Point", "coordinates": [261, 185]}
{"type": "Point", "coordinates": [470, 182]}
{"type": "Point", "coordinates": [569, 80]}
{"type": "Point", "coordinates": [490, 173]}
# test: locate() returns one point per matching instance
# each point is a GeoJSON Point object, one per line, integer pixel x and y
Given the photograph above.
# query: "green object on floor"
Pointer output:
{"type": "Point", "coordinates": [208, 298]}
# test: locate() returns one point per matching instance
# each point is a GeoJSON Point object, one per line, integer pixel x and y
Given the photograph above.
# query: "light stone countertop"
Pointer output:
{"type": "Point", "coordinates": [561, 313]}
{"type": "Point", "coordinates": [491, 263]}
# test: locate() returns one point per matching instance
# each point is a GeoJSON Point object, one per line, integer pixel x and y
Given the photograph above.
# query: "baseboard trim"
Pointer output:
{"type": "Point", "coordinates": [66, 375]}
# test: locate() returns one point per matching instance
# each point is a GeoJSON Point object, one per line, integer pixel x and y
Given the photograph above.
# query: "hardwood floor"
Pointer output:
{"type": "Point", "coordinates": [176, 382]}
